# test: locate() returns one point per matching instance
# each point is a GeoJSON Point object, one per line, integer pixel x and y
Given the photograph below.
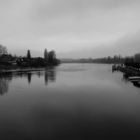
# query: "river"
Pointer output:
{"type": "Point", "coordinates": [69, 102]}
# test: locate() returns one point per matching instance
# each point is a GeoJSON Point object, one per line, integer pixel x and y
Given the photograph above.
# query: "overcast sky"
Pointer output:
{"type": "Point", "coordinates": [74, 28]}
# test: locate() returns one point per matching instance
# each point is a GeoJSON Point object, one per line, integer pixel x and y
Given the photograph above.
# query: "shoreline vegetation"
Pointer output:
{"type": "Point", "coordinates": [117, 59]}
{"type": "Point", "coordinates": [130, 66]}
{"type": "Point", "coordinates": [10, 63]}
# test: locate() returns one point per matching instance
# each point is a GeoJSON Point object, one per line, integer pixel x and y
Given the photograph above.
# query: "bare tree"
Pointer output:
{"type": "Point", "coordinates": [3, 50]}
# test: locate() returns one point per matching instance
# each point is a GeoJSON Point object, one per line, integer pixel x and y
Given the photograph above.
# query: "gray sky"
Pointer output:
{"type": "Point", "coordinates": [74, 28]}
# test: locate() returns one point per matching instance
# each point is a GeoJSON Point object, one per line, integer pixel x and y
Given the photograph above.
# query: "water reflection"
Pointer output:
{"type": "Point", "coordinates": [5, 79]}
{"type": "Point", "coordinates": [29, 75]}
{"type": "Point", "coordinates": [4, 84]}
{"type": "Point", "coordinates": [126, 79]}
{"type": "Point", "coordinates": [39, 74]}
{"type": "Point", "coordinates": [136, 84]}
{"type": "Point", "coordinates": [49, 76]}
{"type": "Point", "coordinates": [82, 105]}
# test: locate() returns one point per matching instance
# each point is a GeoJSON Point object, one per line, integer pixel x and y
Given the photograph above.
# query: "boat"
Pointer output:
{"type": "Point", "coordinates": [134, 78]}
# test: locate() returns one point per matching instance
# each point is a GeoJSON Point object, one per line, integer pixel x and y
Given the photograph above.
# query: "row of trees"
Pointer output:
{"type": "Point", "coordinates": [118, 59]}
{"type": "Point", "coordinates": [133, 61]}
{"type": "Point", "coordinates": [49, 57]}
{"type": "Point", "coordinates": [8, 60]}
{"type": "Point", "coordinates": [29, 61]}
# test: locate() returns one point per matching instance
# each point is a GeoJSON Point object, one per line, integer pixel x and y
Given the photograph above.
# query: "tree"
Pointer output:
{"type": "Point", "coordinates": [3, 50]}
{"type": "Point", "coordinates": [51, 57]}
{"type": "Point", "coordinates": [137, 58]}
{"type": "Point", "coordinates": [45, 55]}
{"type": "Point", "coordinates": [28, 54]}
{"type": "Point", "coordinates": [129, 61]}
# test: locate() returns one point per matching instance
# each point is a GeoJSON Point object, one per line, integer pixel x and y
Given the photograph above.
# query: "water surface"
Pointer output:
{"type": "Point", "coordinates": [70, 102]}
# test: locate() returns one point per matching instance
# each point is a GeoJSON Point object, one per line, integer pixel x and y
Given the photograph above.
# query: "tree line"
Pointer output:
{"type": "Point", "coordinates": [133, 61]}
{"type": "Point", "coordinates": [7, 60]}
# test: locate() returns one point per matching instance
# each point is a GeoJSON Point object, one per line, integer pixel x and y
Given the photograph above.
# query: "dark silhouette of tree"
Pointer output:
{"type": "Point", "coordinates": [137, 58]}
{"type": "Point", "coordinates": [51, 57]}
{"type": "Point", "coordinates": [46, 55]}
{"type": "Point", "coordinates": [28, 54]}
{"type": "Point", "coordinates": [8, 61]}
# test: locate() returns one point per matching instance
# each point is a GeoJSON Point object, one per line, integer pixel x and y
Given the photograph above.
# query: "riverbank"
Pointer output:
{"type": "Point", "coordinates": [21, 70]}
{"type": "Point", "coordinates": [7, 70]}
{"type": "Point", "coordinates": [127, 70]}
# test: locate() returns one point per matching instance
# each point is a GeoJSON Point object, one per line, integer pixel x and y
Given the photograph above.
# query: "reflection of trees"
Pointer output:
{"type": "Point", "coordinates": [39, 74]}
{"type": "Point", "coordinates": [46, 77]}
{"type": "Point", "coordinates": [4, 84]}
{"type": "Point", "coordinates": [50, 75]}
{"type": "Point", "coordinates": [29, 75]}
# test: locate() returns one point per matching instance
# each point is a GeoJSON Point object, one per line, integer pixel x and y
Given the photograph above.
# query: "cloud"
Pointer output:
{"type": "Point", "coordinates": [128, 45]}
{"type": "Point", "coordinates": [63, 7]}
{"type": "Point", "coordinates": [68, 25]}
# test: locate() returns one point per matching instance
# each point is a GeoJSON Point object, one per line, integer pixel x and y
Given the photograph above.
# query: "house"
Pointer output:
{"type": "Point", "coordinates": [8, 60]}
